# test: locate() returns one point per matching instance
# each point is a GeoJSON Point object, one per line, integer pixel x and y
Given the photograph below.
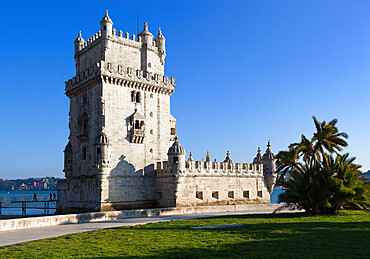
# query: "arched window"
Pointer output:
{"type": "Point", "coordinates": [138, 97]}
{"type": "Point", "coordinates": [133, 98]}
{"type": "Point", "coordinates": [142, 125]}
{"type": "Point", "coordinates": [137, 124]}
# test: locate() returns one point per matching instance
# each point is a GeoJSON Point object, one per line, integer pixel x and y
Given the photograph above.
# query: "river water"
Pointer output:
{"type": "Point", "coordinates": [17, 196]}
{"type": "Point", "coordinates": [45, 196]}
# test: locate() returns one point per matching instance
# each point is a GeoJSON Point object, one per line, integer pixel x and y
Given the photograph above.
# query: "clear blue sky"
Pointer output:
{"type": "Point", "coordinates": [247, 72]}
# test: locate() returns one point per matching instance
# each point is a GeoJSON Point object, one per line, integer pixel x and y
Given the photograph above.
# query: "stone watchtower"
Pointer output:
{"type": "Point", "coordinates": [120, 121]}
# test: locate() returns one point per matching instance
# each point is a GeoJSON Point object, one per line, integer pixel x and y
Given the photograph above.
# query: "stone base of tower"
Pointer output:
{"type": "Point", "coordinates": [112, 206]}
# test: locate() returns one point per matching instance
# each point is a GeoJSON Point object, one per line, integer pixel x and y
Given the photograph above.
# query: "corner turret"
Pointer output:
{"type": "Point", "coordinates": [258, 158]}
{"type": "Point", "coordinates": [68, 156]}
{"type": "Point", "coordinates": [146, 36]}
{"type": "Point", "coordinates": [176, 157]}
{"type": "Point", "coordinates": [79, 41]}
{"type": "Point", "coordinates": [208, 157]}
{"type": "Point", "coordinates": [161, 44]}
{"type": "Point", "coordinates": [227, 158]}
{"type": "Point", "coordinates": [106, 26]}
{"type": "Point", "coordinates": [269, 168]}
{"type": "Point", "coordinates": [102, 151]}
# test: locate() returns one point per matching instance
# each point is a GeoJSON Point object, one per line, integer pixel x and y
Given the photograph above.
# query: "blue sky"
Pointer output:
{"type": "Point", "coordinates": [246, 72]}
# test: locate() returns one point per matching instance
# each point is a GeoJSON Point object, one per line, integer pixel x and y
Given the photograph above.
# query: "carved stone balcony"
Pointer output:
{"type": "Point", "coordinates": [137, 136]}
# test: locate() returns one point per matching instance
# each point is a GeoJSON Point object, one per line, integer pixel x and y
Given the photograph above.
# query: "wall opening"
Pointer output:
{"type": "Point", "coordinates": [84, 153]}
{"type": "Point", "coordinates": [259, 194]}
{"type": "Point", "coordinates": [215, 195]}
{"type": "Point", "coordinates": [199, 195]}
{"type": "Point", "coordinates": [246, 194]}
{"type": "Point", "coordinates": [138, 97]}
{"type": "Point", "coordinates": [230, 194]}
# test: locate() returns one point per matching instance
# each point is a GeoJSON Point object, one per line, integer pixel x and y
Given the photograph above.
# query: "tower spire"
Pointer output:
{"type": "Point", "coordinates": [208, 157]}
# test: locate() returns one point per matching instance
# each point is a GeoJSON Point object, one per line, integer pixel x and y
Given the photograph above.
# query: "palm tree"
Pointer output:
{"type": "Point", "coordinates": [308, 187]}
{"type": "Point", "coordinates": [328, 137]}
{"type": "Point", "coordinates": [305, 147]}
{"type": "Point", "coordinates": [350, 187]}
{"type": "Point", "coordinates": [287, 161]}
{"type": "Point", "coordinates": [323, 183]}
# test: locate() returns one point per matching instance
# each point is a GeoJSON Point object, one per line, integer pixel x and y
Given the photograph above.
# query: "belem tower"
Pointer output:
{"type": "Point", "coordinates": [123, 150]}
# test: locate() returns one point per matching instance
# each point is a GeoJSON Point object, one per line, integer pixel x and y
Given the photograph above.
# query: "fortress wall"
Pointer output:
{"type": "Point", "coordinates": [213, 190]}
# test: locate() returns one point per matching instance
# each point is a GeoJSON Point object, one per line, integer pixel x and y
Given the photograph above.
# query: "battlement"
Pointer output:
{"type": "Point", "coordinates": [126, 76]}
{"type": "Point", "coordinates": [214, 169]}
{"type": "Point", "coordinates": [134, 41]}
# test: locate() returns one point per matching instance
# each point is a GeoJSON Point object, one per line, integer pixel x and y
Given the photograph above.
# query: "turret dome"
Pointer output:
{"type": "Point", "coordinates": [258, 157]}
{"type": "Point", "coordinates": [102, 139]}
{"type": "Point", "coordinates": [106, 18]}
{"type": "Point", "coordinates": [228, 159]}
{"type": "Point", "coordinates": [79, 38]}
{"type": "Point", "coordinates": [176, 148]}
{"type": "Point", "coordinates": [145, 32]}
{"type": "Point", "coordinates": [160, 35]}
{"type": "Point", "coordinates": [268, 154]}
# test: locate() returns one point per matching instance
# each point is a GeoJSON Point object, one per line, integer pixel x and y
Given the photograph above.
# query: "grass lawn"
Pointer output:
{"type": "Point", "coordinates": [346, 235]}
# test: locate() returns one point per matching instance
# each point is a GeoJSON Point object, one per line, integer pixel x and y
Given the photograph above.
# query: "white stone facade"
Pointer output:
{"type": "Point", "coordinates": [121, 130]}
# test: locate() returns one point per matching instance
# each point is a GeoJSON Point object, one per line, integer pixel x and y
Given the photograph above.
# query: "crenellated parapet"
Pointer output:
{"type": "Point", "coordinates": [126, 40]}
{"type": "Point", "coordinates": [201, 168]}
{"type": "Point", "coordinates": [145, 40]}
{"type": "Point", "coordinates": [124, 76]}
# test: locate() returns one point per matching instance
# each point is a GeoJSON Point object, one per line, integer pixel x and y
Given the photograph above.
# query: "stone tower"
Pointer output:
{"type": "Point", "coordinates": [119, 120]}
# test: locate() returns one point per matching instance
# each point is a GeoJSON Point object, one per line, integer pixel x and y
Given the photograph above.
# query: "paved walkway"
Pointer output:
{"type": "Point", "coordinates": [25, 235]}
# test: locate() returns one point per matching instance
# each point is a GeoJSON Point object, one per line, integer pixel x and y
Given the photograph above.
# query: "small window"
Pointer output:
{"type": "Point", "coordinates": [230, 194]}
{"type": "Point", "coordinates": [137, 124]}
{"type": "Point", "coordinates": [173, 131]}
{"type": "Point", "coordinates": [246, 194]}
{"type": "Point", "coordinates": [151, 150]}
{"type": "Point", "coordinates": [151, 114]}
{"type": "Point", "coordinates": [259, 194]}
{"type": "Point", "coordinates": [151, 95]}
{"type": "Point", "coordinates": [176, 160]}
{"type": "Point", "coordinates": [98, 150]}
{"type": "Point", "coordinates": [138, 97]}
{"type": "Point", "coordinates": [133, 97]}
{"type": "Point", "coordinates": [199, 195]}
{"type": "Point", "coordinates": [149, 64]}
{"type": "Point", "coordinates": [215, 195]}
{"type": "Point", "coordinates": [84, 153]}
{"type": "Point", "coordinates": [105, 27]}
{"type": "Point", "coordinates": [151, 131]}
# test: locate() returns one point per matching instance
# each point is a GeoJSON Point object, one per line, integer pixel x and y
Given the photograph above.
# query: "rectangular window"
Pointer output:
{"type": "Point", "coordinates": [259, 194]}
{"type": "Point", "coordinates": [230, 194]}
{"type": "Point", "coordinates": [176, 160]}
{"type": "Point", "coordinates": [98, 150]}
{"type": "Point", "coordinates": [215, 195]}
{"type": "Point", "coordinates": [199, 195]}
{"type": "Point", "coordinates": [173, 131]}
{"type": "Point", "coordinates": [246, 194]}
{"type": "Point", "coordinates": [84, 153]}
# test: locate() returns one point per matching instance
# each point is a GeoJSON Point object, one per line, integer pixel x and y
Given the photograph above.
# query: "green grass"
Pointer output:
{"type": "Point", "coordinates": [262, 236]}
